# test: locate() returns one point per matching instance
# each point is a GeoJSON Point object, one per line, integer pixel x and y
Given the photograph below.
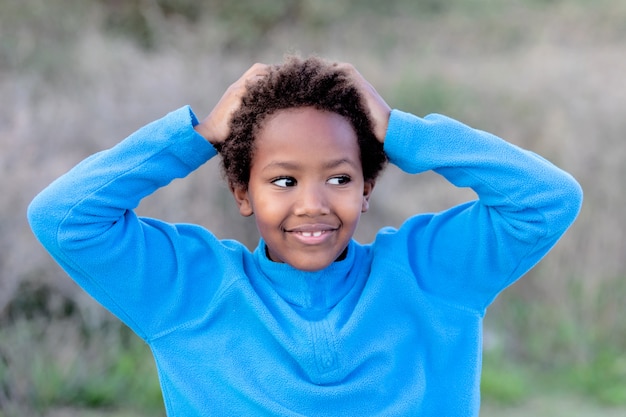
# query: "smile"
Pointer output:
{"type": "Point", "coordinates": [313, 234]}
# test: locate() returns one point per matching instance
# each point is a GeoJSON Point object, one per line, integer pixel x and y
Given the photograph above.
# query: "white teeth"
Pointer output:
{"type": "Point", "coordinates": [312, 234]}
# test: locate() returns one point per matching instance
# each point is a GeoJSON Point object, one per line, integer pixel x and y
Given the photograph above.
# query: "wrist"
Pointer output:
{"type": "Point", "coordinates": [203, 130]}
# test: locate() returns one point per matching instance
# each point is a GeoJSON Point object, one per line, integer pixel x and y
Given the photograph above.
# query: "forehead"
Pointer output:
{"type": "Point", "coordinates": [306, 133]}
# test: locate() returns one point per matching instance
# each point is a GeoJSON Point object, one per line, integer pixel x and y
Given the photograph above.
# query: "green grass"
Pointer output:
{"type": "Point", "coordinates": [50, 365]}
{"type": "Point", "coordinates": [502, 382]}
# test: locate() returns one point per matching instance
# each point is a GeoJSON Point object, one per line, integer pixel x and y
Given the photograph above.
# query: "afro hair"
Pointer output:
{"type": "Point", "coordinates": [297, 82]}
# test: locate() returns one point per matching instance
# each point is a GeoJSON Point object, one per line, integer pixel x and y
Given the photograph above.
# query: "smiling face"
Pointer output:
{"type": "Point", "coordinates": [306, 187]}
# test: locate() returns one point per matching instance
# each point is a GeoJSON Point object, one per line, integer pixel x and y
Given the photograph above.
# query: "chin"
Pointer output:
{"type": "Point", "coordinates": [310, 267]}
{"type": "Point", "coordinates": [311, 261]}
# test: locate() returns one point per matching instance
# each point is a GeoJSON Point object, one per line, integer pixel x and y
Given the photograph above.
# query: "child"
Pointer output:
{"type": "Point", "coordinates": [311, 323]}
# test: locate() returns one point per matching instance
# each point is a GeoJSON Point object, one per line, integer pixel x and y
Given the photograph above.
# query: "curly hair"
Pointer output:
{"type": "Point", "coordinates": [311, 82]}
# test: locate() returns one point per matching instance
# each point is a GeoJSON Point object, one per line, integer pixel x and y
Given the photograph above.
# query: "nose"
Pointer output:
{"type": "Point", "coordinates": [311, 200]}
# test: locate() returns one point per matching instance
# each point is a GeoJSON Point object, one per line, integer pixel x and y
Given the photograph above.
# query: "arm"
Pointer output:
{"type": "Point", "coordinates": [85, 220]}
{"type": "Point", "coordinates": [473, 251]}
{"type": "Point", "coordinates": [142, 270]}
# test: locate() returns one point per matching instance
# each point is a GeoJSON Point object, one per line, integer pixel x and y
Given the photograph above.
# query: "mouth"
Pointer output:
{"type": "Point", "coordinates": [312, 234]}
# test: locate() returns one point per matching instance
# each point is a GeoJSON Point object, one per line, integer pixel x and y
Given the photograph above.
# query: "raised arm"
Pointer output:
{"type": "Point", "coordinates": [85, 219]}
{"type": "Point", "coordinates": [471, 252]}
{"type": "Point", "coordinates": [136, 267]}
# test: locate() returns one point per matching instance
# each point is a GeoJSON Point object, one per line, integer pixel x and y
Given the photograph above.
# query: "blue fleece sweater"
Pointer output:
{"type": "Point", "coordinates": [394, 329]}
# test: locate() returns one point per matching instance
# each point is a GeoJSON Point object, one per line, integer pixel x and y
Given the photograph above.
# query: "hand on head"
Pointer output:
{"type": "Point", "coordinates": [377, 107]}
{"type": "Point", "coordinates": [215, 127]}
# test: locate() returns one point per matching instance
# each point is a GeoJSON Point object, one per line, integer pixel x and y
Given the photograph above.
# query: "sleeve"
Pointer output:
{"type": "Point", "coordinates": [132, 266]}
{"type": "Point", "coordinates": [469, 253]}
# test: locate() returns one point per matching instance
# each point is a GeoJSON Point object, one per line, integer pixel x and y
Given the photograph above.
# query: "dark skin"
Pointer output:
{"type": "Point", "coordinates": [306, 186]}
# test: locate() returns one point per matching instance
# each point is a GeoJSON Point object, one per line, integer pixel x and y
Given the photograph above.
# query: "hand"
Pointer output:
{"type": "Point", "coordinates": [216, 126]}
{"type": "Point", "coordinates": [379, 110]}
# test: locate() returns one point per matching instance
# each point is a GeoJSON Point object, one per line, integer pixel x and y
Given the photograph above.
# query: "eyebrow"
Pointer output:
{"type": "Point", "coordinates": [295, 165]}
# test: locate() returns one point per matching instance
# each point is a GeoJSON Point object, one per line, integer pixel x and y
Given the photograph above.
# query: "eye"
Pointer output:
{"type": "Point", "coordinates": [339, 180]}
{"type": "Point", "coordinates": [284, 182]}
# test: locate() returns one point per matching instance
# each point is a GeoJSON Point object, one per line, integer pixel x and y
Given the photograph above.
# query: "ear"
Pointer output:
{"type": "Point", "coordinates": [242, 198]}
{"type": "Point", "coordinates": [368, 187]}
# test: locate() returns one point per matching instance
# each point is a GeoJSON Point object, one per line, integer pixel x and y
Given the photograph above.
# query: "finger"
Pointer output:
{"type": "Point", "coordinates": [256, 70]}
{"type": "Point", "coordinates": [378, 109]}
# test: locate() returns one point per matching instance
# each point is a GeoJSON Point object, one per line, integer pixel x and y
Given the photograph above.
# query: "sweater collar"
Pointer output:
{"type": "Point", "coordinates": [319, 290]}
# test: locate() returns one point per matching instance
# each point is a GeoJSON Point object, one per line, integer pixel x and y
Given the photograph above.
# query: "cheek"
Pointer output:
{"type": "Point", "coordinates": [268, 210]}
{"type": "Point", "coordinates": [350, 208]}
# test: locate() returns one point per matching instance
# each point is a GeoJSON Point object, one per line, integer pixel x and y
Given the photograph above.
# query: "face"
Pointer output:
{"type": "Point", "coordinates": [306, 187]}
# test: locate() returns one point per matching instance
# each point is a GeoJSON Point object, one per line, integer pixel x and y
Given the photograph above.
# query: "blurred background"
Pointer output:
{"type": "Point", "coordinates": [78, 76]}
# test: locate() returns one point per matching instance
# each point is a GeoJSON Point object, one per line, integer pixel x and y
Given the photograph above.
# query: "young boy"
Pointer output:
{"type": "Point", "coordinates": [311, 323]}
